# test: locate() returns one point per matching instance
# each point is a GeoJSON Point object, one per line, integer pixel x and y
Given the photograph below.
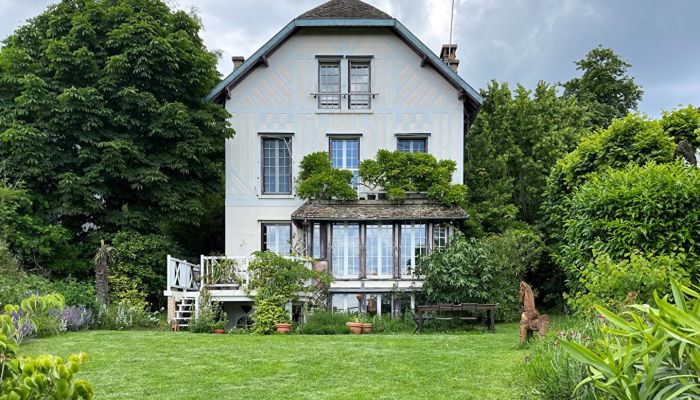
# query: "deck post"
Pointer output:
{"type": "Point", "coordinates": [171, 308]}
{"type": "Point", "coordinates": [169, 274]}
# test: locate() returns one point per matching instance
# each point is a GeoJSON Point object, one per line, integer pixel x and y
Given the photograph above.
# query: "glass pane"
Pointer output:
{"type": "Point", "coordinates": [412, 145]}
{"type": "Point", "coordinates": [278, 238]}
{"type": "Point", "coordinates": [329, 82]}
{"type": "Point", "coordinates": [316, 241]}
{"type": "Point", "coordinates": [359, 83]}
{"type": "Point", "coordinates": [345, 154]}
{"type": "Point", "coordinates": [439, 237]}
{"type": "Point", "coordinates": [277, 166]}
{"type": "Point", "coordinates": [346, 250]}
{"type": "Point", "coordinates": [413, 245]}
{"type": "Point", "coordinates": [380, 258]}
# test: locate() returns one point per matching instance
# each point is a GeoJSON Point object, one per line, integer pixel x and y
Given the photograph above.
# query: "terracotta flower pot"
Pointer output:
{"type": "Point", "coordinates": [366, 328]}
{"type": "Point", "coordinates": [355, 327]}
{"type": "Point", "coordinates": [283, 328]}
{"type": "Point", "coordinates": [219, 331]}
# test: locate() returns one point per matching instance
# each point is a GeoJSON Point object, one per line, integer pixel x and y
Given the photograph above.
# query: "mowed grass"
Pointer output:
{"type": "Point", "coordinates": [164, 365]}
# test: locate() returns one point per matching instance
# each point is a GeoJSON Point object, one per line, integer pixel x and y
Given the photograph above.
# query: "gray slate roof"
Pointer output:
{"type": "Point", "coordinates": [346, 9]}
{"type": "Point", "coordinates": [376, 210]}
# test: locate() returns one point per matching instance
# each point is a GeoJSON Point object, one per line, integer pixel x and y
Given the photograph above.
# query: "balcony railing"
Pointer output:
{"type": "Point", "coordinates": [184, 276]}
{"type": "Point", "coordinates": [357, 100]}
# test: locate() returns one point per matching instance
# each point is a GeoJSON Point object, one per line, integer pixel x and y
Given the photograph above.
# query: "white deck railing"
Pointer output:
{"type": "Point", "coordinates": [184, 276]}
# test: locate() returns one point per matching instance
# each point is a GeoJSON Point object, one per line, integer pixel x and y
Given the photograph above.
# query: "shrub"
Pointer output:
{"type": "Point", "coordinates": [39, 377]}
{"type": "Point", "coordinates": [650, 210]}
{"type": "Point", "coordinates": [122, 316]}
{"type": "Point", "coordinates": [139, 266]}
{"type": "Point", "coordinates": [388, 324]}
{"type": "Point", "coordinates": [683, 124]}
{"type": "Point", "coordinates": [319, 180]}
{"type": "Point", "coordinates": [269, 311]}
{"type": "Point", "coordinates": [277, 281]}
{"type": "Point", "coordinates": [486, 270]}
{"type": "Point", "coordinates": [324, 322]}
{"type": "Point", "coordinates": [400, 173]}
{"type": "Point", "coordinates": [550, 372]}
{"type": "Point", "coordinates": [634, 279]}
{"type": "Point", "coordinates": [647, 352]}
{"type": "Point", "coordinates": [76, 318]}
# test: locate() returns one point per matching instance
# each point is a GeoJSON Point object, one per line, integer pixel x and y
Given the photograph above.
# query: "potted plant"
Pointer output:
{"type": "Point", "coordinates": [219, 327]}
{"type": "Point", "coordinates": [366, 326]}
{"type": "Point", "coordinates": [355, 327]}
{"type": "Point", "coordinates": [283, 327]}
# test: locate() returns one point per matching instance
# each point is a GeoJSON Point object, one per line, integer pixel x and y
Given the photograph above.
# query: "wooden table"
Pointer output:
{"type": "Point", "coordinates": [468, 308]}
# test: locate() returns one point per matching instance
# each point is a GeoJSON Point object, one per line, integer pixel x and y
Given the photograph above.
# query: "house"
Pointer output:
{"type": "Point", "coordinates": [348, 79]}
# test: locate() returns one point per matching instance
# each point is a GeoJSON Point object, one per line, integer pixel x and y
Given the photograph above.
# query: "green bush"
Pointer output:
{"type": "Point", "coordinates": [400, 173]}
{"type": "Point", "coordinates": [124, 316]}
{"type": "Point", "coordinates": [647, 353]}
{"type": "Point", "coordinates": [42, 377]}
{"type": "Point", "coordinates": [550, 373]}
{"type": "Point", "coordinates": [683, 124]}
{"type": "Point", "coordinates": [486, 270]}
{"type": "Point", "coordinates": [139, 264]}
{"type": "Point", "coordinates": [324, 322]}
{"type": "Point", "coordinates": [269, 311]}
{"type": "Point", "coordinates": [649, 210]}
{"type": "Point", "coordinates": [387, 324]}
{"type": "Point", "coordinates": [634, 279]}
{"type": "Point", "coordinates": [319, 180]}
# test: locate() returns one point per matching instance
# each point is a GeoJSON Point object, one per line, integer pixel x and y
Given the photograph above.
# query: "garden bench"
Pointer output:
{"type": "Point", "coordinates": [464, 312]}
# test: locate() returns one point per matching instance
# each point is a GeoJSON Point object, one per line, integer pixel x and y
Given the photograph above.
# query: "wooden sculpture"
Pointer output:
{"type": "Point", "coordinates": [530, 319]}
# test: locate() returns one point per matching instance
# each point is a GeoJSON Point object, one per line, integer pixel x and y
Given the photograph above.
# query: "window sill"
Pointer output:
{"type": "Point", "coordinates": [346, 111]}
{"type": "Point", "coordinates": [276, 196]}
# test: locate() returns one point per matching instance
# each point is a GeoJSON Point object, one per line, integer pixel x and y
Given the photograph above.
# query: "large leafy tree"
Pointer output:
{"type": "Point", "coordinates": [102, 118]}
{"type": "Point", "coordinates": [604, 87]}
{"type": "Point", "coordinates": [514, 142]}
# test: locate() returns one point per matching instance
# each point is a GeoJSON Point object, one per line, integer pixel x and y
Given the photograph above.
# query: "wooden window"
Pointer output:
{"type": "Point", "coordinates": [439, 236]}
{"type": "Point", "coordinates": [277, 237]}
{"type": "Point", "coordinates": [413, 245]}
{"type": "Point", "coordinates": [345, 154]}
{"type": "Point", "coordinates": [413, 145]}
{"type": "Point", "coordinates": [277, 165]}
{"type": "Point", "coordinates": [346, 250]}
{"type": "Point", "coordinates": [360, 85]}
{"type": "Point", "coordinates": [316, 245]}
{"type": "Point", "coordinates": [329, 85]}
{"type": "Point", "coordinates": [380, 253]}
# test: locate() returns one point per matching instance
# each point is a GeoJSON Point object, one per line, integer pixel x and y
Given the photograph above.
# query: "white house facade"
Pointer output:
{"type": "Point", "coordinates": [350, 80]}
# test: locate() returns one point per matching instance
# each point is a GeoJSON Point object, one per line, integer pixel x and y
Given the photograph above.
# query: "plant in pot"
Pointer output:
{"type": "Point", "coordinates": [219, 327]}
{"type": "Point", "coordinates": [284, 325]}
{"type": "Point", "coordinates": [355, 326]}
{"type": "Point", "coordinates": [366, 325]}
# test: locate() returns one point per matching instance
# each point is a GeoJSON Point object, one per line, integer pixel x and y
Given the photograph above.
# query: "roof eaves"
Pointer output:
{"type": "Point", "coordinates": [285, 32]}
{"type": "Point", "coordinates": [251, 62]}
{"type": "Point", "coordinates": [438, 64]}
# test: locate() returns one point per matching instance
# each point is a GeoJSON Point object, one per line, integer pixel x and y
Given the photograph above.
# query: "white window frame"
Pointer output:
{"type": "Point", "coordinates": [377, 243]}
{"type": "Point", "coordinates": [412, 240]}
{"type": "Point", "coordinates": [345, 160]}
{"type": "Point", "coordinates": [344, 270]}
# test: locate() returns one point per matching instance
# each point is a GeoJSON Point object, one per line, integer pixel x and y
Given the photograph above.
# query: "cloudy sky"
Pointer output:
{"type": "Point", "coordinates": [508, 40]}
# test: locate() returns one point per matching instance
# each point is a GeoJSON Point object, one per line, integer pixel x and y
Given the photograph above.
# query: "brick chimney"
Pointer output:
{"type": "Point", "coordinates": [237, 61]}
{"type": "Point", "coordinates": [448, 55]}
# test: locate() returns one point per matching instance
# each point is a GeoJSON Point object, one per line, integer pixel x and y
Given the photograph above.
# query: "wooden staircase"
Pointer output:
{"type": "Point", "coordinates": [184, 312]}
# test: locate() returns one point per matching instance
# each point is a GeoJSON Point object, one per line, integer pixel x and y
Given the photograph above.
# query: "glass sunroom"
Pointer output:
{"type": "Point", "coordinates": [372, 247]}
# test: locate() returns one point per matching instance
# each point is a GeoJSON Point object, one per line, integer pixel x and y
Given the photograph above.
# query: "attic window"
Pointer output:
{"type": "Point", "coordinates": [329, 85]}
{"type": "Point", "coordinates": [360, 79]}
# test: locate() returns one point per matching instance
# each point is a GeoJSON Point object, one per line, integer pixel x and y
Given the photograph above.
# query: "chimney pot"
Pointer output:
{"type": "Point", "coordinates": [237, 61]}
{"type": "Point", "coordinates": [448, 54]}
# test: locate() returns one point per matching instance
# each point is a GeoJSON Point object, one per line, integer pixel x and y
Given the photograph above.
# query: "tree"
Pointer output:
{"type": "Point", "coordinates": [514, 142]}
{"type": "Point", "coordinates": [103, 258]}
{"type": "Point", "coordinates": [631, 213]}
{"type": "Point", "coordinates": [604, 87]}
{"type": "Point", "coordinates": [102, 117]}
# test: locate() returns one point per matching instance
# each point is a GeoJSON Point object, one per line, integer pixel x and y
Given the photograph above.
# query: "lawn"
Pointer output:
{"type": "Point", "coordinates": [164, 365]}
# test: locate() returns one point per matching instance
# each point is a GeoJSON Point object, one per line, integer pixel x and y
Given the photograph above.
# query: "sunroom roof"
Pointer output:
{"type": "Point", "coordinates": [376, 210]}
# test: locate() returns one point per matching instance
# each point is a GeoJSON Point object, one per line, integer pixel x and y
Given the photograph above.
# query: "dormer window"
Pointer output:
{"type": "Point", "coordinates": [329, 85]}
{"type": "Point", "coordinates": [359, 87]}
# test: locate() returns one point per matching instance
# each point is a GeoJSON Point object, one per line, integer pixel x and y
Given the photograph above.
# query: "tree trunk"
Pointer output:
{"type": "Point", "coordinates": [101, 282]}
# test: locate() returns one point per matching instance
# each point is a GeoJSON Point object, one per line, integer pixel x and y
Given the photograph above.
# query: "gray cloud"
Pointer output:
{"type": "Point", "coordinates": [507, 40]}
